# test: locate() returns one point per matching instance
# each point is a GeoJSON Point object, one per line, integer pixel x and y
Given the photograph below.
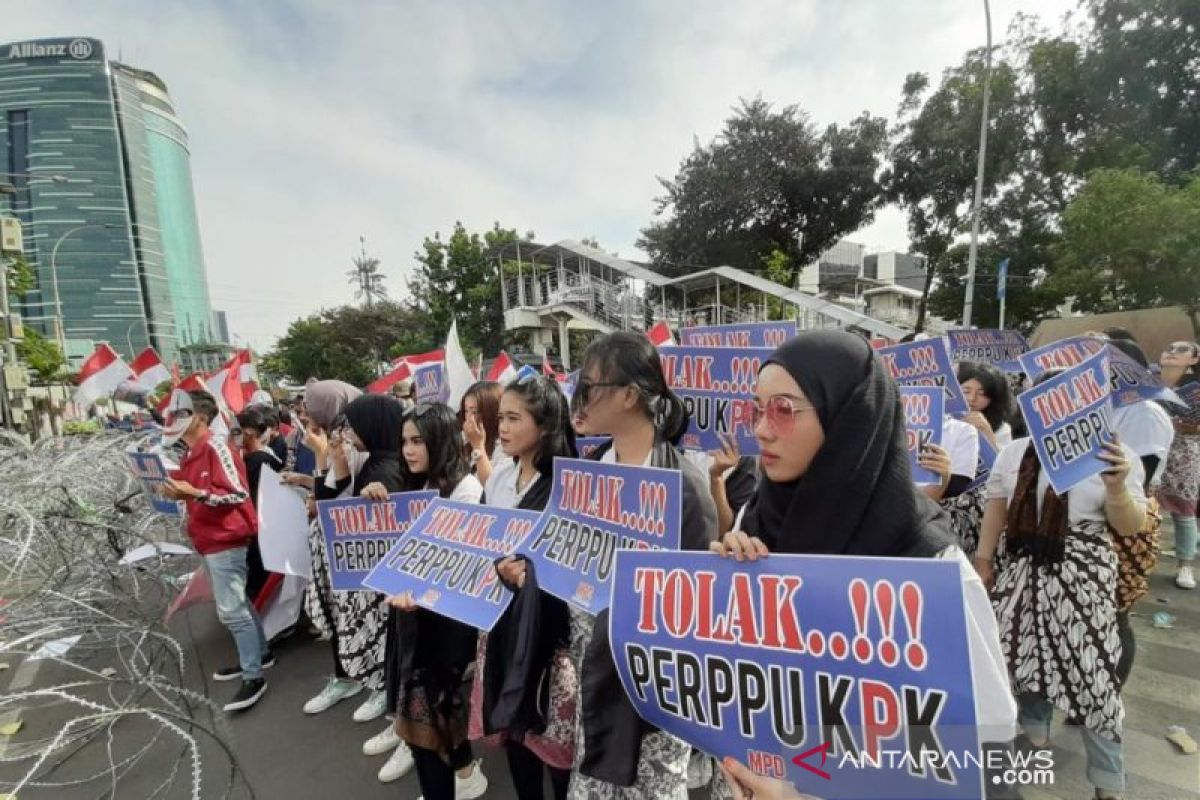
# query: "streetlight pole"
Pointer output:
{"type": "Point", "coordinates": [969, 300]}
{"type": "Point", "coordinates": [58, 317]}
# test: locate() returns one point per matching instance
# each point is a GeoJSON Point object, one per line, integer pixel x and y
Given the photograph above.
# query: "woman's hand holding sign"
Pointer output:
{"type": "Point", "coordinates": [1114, 477]}
{"type": "Point", "coordinates": [374, 491]}
{"type": "Point", "coordinates": [512, 571]}
{"type": "Point", "coordinates": [746, 784]}
{"type": "Point", "coordinates": [741, 546]}
{"type": "Point", "coordinates": [403, 602]}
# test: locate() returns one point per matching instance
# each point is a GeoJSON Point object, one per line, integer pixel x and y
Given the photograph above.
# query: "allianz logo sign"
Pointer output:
{"type": "Point", "coordinates": [78, 49]}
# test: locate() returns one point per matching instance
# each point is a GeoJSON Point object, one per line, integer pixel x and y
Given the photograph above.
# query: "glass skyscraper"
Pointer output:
{"type": "Point", "coordinates": [107, 207]}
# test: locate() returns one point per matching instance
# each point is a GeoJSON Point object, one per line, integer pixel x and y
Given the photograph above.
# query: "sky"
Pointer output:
{"type": "Point", "coordinates": [315, 122]}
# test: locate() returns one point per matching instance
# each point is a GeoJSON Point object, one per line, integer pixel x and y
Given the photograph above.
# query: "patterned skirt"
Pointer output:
{"type": "Point", "coordinates": [1058, 629]}
{"type": "Point", "coordinates": [359, 618]}
{"type": "Point", "coordinates": [1181, 476]}
{"type": "Point", "coordinates": [662, 758]}
{"type": "Point", "coordinates": [966, 515]}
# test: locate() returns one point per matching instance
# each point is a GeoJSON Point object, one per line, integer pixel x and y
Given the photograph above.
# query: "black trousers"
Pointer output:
{"type": "Point", "coordinates": [327, 610]}
{"type": "Point", "coordinates": [435, 776]}
{"type": "Point", "coordinates": [527, 771]}
{"type": "Point", "coordinates": [1128, 648]}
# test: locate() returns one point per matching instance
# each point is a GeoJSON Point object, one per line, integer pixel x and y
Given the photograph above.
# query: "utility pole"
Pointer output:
{"type": "Point", "coordinates": [969, 300]}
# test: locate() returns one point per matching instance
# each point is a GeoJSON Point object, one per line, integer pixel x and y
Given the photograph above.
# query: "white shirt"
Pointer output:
{"type": "Point", "coordinates": [468, 490]}
{"type": "Point", "coordinates": [355, 461]}
{"type": "Point", "coordinates": [1146, 428]}
{"type": "Point", "coordinates": [1085, 501]}
{"type": "Point", "coordinates": [611, 457]}
{"type": "Point", "coordinates": [1003, 435]}
{"type": "Point", "coordinates": [501, 488]}
{"type": "Point", "coordinates": [961, 441]}
{"type": "Point", "coordinates": [995, 708]}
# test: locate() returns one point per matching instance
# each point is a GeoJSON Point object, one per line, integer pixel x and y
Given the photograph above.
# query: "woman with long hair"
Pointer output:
{"type": "Point", "coordinates": [989, 398]}
{"type": "Point", "coordinates": [427, 655]}
{"type": "Point", "coordinates": [1180, 364]}
{"type": "Point", "coordinates": [479, 415]}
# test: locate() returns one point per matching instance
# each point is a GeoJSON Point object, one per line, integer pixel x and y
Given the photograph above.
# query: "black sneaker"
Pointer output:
{"type": "Point", "coordinates": [248, 695]}
{"type": "Point", "coordinates": [233, 673]}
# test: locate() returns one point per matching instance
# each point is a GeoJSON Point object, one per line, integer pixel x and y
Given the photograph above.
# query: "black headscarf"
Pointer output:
{"type": "Point", "coordinates": [857, 496]}
{"type": "Point", "coordinates": [377, 419]}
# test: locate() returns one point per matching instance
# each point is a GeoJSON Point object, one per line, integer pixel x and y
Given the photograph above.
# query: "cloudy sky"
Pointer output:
{"type": "Point", "coordinates": [316, 121]}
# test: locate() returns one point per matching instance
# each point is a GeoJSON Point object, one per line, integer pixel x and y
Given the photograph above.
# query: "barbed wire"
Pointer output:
{"type": "Point", "coordinates": [90, 633]}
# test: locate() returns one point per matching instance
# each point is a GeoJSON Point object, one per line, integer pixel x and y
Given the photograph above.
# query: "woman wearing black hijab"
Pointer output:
{"type": "Point", "coordinates": [836, 481]}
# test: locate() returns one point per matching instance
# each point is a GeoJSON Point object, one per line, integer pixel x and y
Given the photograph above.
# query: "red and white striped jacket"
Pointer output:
{"type": "Point", "coordinates": [223, 517]}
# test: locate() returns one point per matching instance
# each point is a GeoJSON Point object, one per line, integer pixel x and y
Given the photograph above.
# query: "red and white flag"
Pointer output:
{"type": "Point", "coordinates": [101, 374]}
{"type": "Point", "coordinates": [149, 369]}
{"type": "Point", "coordinates": [421, 359]}
{"type": "Point", "coordinates": [547, 367]}
{"type": "Point", "coordinates": [503, 370]}
{"type": "Point", "coordinates": [226, 383]}
{"type": "Point", "coordinates": [660, 335]}
{"type": "Point", "coordinates": [403, 368]}
{"type": "Point", "coordinates": [193, 382]}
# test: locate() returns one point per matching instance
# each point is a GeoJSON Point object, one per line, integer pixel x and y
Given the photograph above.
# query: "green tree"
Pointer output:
{"type": "Point", "coordinates": [1130, 240]}
{"type": "Point", "coordinates": [367, 276]}
{"type": "Point", "coordinates": [42, 356]}
{"type": "Point", "coordinates": [456, 280]}
{"type": "Point", "coordinates": [769, 182]}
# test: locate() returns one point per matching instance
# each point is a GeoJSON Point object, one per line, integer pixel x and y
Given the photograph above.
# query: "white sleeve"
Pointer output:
{"type": "Point", "coordinates": [1004, 435]}
{"type": "Point", "coordinates": [1136, 477]}
{"type": "Point", "coordinates": [469, 490]}
{"type": "Point", "coordinates": [1003, 480]}
{"type": "Point", "coordinates": [962, 442]}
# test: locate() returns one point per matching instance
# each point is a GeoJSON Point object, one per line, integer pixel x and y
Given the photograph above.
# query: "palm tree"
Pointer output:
{"type": "Point", "coordinates": [367, 275]}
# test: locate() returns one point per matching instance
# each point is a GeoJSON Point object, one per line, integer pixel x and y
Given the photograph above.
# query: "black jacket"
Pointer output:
{"type": "Point", "coordinates": [612, 729]}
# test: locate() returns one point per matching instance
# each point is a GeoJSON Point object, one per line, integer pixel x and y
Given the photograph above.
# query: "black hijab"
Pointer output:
{"type": "Point", "coordinates": [857, 496]}
{"type": "Point", "coordinates": [377, 419]}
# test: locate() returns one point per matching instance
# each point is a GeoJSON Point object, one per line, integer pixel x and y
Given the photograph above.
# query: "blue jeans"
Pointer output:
{"type": "Point", "coordinates": [1105, 758]}
{"type": "Point", "coordinates": [1185, 536]}
{"type": "Point", "coordinates": [227, 573]}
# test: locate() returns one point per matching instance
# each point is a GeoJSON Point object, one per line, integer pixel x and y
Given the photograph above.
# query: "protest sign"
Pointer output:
{"type": "Point", "coordinates": [749, 334]}
{"type": "Point", "coordinates": [824, 671]}
{"type": "Point", "coordinates": [1069, 418]}
{"type": "Point", "coordinates": [282, 527]}
{"type": "Point", "coordinates": [717, 386]}
{"type": "Point", "coordinates": [924, 409]}
{"type": "Point", "coordinates": [359, 532]}
{"type": "Point", "coordinates": [447, 560]}
{"type": "Point", "coordinates": [595, 509]}
{"type": "Point", "coordinates": [151, 471]}
{"type": "Point", "coordinates": [983, 469]}
{"type": "Point", "coordinates": [589, 444]}
{"type": "Point", "coordinates": [925, 363]}
{"type": "Point", "coordinates": [1133, 383]}
{"type": "Point", "coordinates": [431, 384]}
{"type": "Point", "coordinates": [1062, 354]}
{"type": "Point", "coordinates": [1001, 348]}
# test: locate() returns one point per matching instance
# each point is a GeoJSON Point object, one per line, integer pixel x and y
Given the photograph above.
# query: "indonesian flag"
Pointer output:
{"type": "Point", "coordinates": [149, 369]}
{"type": "Point", "coordinates": [421, 359]}
{"type": "Point", "coordinates": [503, 370]}
{"type": "Point", "coordinates": [547, 369]}
{"type": "Point", "coordinates": [226, 383]}
{"type": "Point", "coordinates": [660, 335]}
{"type": "Point", "coordinates": [101, 374]}
{"type": "Point", "coordinates": [402, 371]}
{"type": "Point", "coordinates": [193, 382]}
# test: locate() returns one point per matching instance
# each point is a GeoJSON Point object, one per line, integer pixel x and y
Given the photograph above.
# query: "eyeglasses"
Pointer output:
{"type": "Point", "coordinates": [1178, 347]}
{"type": "Point", "coordinates": [583, 392]}
{"type": "Point", "coordinates": [780, 411]}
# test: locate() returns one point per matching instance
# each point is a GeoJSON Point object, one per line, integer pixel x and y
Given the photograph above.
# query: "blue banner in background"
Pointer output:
{"type": "Point", "coordinates": [1062, 354]}
{"type": "Point", "coordinates": [359, 532]}
{"type": "Point", "coordinates": [924, 409]}
{"type": "Point", "coordinates": [750, 334]}
{"type": "Point", "coordinates": [1001, 348]}
{"type": "Point", "coordinates": [151, 471]}
{"type": "Point", "coordinates": [819, 670]}
{"type": "Point", "coordinates": [1069, 417]}
{"type": "Point", "coordinates": [595, 509]}
{"type": "Point", "coordinates": [925, 363]}
{"type": "Point", "coordinates": [447, 560]}
{"type": "Point", "coordinates": [430, 383]}
{"type": "Point", "coordinates": [717, 386]}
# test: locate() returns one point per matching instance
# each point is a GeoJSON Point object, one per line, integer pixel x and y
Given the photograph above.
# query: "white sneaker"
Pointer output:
{"type": "Point", "coordinates": [382, 742]}
{"type": "Point", "coordinates": [334, 692]}
{"type": "Point", "coordinates": [1184, 579]}
{"type": "Point", "coordinates": [472, 786]}
{"type": "Point", "coordinates": [372, 709]}
{"type": "Point", "coordinates": [398, 764]}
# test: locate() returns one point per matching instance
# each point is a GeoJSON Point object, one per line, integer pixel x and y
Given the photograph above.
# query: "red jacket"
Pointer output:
{"type": "Point", "coordinates": [223, 517]}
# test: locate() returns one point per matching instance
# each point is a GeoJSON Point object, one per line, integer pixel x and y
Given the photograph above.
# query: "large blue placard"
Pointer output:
{"type": "Point", "coordinates": [359, 532]}
{"type": "Point", "coordinates": [447, 560]}
{"type": "Point", "coordinates": [595, 509]}
{"type": "Point", "coordinates": [749, 334]}
{"type": "Point", "coordinates": [1069, 417]}
{"type": "Point", "coordinates": [717, 386]}
{"type": "Point", "coordinates": [825, 671]}
{"type": "Point", "coordinates": [983, 467]}
{"type": "Point", "coordinates": [431, 385]}
{"type": "Point", "coordinates": [1001, 348]}
{"type": "Point", "coordinates": [1062, 354]}
{"type": "Point", "coordinates": [1133, 383]}
{"type": "Point", "coordinates": [925, 363]}
{"type": "Point", "coordinates": [151, 471]}
{"type": "Point", "coordinates": [924, 409]}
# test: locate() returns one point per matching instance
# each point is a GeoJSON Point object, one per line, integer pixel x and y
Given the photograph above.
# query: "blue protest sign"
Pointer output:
{"type": "Point", "coordinates": [983, 469]}
{"type": "Point", "coordinates": [1133, 383]}
{"type": "Point", "coordinates": [717, 386]}
{"type": "Point", "coordinates": [1059, 355]}
{"type": "Point", "coordinates": [589, 444]}
{"type": "Point", "coordinates": [151, 471]}
{"type": "Point", "coordinates": [430, 384]}
{"type": "Point", "coordinates": [1069, 418]}
{"type": "Point", "coordinates": [924, 409]}
{"type": "Point", "coordinates": [595, 509]}
{"type": "Point", "coordinates": [359, 532]}
{"type": "Point", "coordinates": [925, 363]}
{"type": "Point", "coordinates": [824, 671]}
{"type": "Point", "coordinates": [1002, 348]}
{"type": "Point", "coordinates": [750, 334]}
{"type": "Point", "coordinates": [447, 560]}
